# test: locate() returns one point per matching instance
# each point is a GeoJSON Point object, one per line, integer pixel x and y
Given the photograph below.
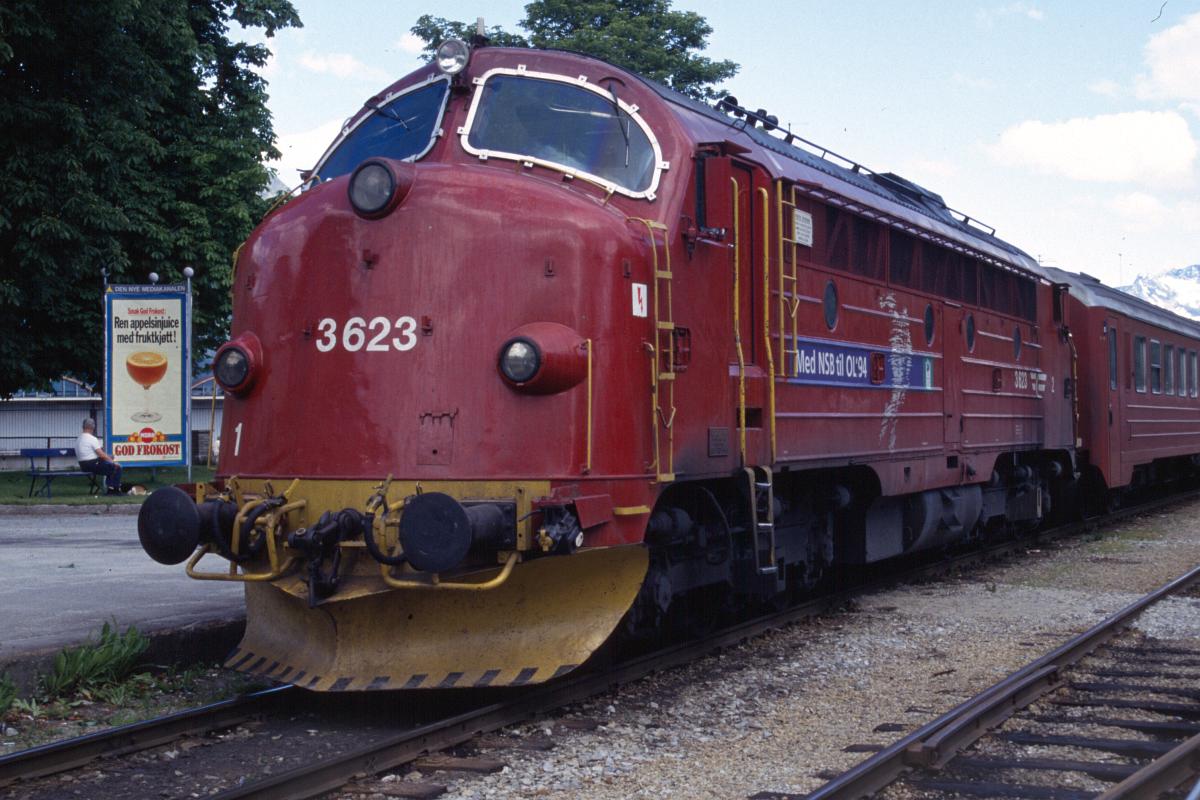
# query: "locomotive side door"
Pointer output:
{"type": "Point", "coordinates": [953, 347]}
{"type": "Point", "coordinates": [746, 356]}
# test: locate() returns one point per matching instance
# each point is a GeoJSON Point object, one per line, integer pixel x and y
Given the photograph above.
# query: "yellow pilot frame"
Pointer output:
{"type": "Point", "coordinates": [520, 621]}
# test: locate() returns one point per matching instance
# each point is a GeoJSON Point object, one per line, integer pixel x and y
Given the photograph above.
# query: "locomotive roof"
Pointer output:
{"type": "Point", "coordinates": [887, 186]}
{"type": "Point", "coordinates": [1091, 292]}
{"type": "Point", "coordinates": [885, 192]}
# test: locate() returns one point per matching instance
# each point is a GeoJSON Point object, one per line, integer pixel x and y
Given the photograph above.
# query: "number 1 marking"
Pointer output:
{"type": "Point", "coordinates": [237, 438]}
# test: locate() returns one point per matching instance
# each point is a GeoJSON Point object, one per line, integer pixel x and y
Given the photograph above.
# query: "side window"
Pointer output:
{"type": "Point", "coordinates": [1192, 373]}
{"type": "Point", "coordinates": [837, 238]}
{"type": "Point", "coordinates": [1169, 369]}
{"type": "Point", "coordinates": [900, 259]}
{"type": "Point", "coordinates": [1155, 367]}
{"type": "Point", "coordinates": [1112, 358]}
{"type": "Point", "coordinates": [1181, 374]}
{"type": "Point", "coordinates": [1139, 363]}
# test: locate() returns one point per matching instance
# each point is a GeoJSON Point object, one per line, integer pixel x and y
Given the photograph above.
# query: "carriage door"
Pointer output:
{"type": "Point", "coordinates": [952, 346]}
{"type": "Point", "coordinates": [1112, 414]}
{"type": "Point", "coordinates": [747, 348]}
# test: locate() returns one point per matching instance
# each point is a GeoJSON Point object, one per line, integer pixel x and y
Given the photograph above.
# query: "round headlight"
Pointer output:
{"type": "Point", "coordinates": [371, 188]}
{"type": "Point", "coordinates": [520, 360]}
{"type": "Point", "coordinates": [452, 56]}
{"type": "Point", "coordinates": [231, 368]}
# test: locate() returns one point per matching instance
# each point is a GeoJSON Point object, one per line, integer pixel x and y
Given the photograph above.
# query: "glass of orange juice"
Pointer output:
{"type": "Point", "coordinates": [147, 368]}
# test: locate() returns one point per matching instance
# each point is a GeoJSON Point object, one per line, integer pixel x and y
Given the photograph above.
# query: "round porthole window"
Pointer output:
{"type": "Point", "coordinates": [971, 333]}
{"type": "Point", "coordinates": [929, 325]}
{"type": "Point", "coordinates": [831, 305]}
{"type": "Point", "coordinates": [1017, 342]}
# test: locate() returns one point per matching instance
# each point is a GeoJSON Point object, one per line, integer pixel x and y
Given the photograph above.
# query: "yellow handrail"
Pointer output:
{"type": "Point", "coordinates": [737, 323]}
{"type": "Point", "coordinates": [587, 468]}
{"type": "Point", "coordinates": [662, 274]}
{"type": "Point", "coordinates": [766, 329]}
{"type": "Point", "coordinates": [434, 583]}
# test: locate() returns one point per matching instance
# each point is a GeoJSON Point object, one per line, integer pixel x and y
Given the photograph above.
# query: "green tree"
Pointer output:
{"type": "Point", "coordinates": [136, 133]}
{"type": "Point", "coordinates": [645, 36]}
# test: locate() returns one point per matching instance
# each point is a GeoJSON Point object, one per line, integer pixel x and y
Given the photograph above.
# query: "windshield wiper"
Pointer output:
{"type": "Point", "coordinates": [387, 112]}
{"type": "Point", "coordinates": [617, 114]}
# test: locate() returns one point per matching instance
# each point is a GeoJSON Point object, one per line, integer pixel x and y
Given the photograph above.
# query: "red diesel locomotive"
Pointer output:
{"type": "Point", "coordinates": [544, 347]}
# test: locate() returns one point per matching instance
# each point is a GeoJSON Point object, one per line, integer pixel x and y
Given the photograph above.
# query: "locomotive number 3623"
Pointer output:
{"type": "Point", "coordinates": [359, 334]}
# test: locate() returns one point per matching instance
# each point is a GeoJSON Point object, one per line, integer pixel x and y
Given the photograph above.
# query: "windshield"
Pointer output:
{"type": "Point", "coordinates": [563, 124]}
{"type": "Point", "coordinates": [401, 129]}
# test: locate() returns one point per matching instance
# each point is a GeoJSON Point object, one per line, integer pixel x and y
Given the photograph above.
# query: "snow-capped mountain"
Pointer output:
{"type": "Point", "coordinates": [1177, 290]}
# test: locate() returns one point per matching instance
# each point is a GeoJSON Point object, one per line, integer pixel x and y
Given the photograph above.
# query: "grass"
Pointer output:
{"type": "Point", "coordinates": [101, 683]}
{"type": "Point", "coordinates": [96, 664]}
{"type": "Point", "coordinates": [14, 486]}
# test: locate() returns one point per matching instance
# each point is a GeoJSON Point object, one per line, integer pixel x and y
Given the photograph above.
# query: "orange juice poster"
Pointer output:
{"type": "Point", "coordinates": [145, 374]}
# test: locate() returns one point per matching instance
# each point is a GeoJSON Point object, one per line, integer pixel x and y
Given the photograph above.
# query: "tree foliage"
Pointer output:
{"type": "Point", "coordinates": [645, 36]}
{"type": "Point", "coordinates": [136, 133]}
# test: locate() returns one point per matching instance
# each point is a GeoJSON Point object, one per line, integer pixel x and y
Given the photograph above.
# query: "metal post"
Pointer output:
{"type": "Point", "coordinates": [188, 272]}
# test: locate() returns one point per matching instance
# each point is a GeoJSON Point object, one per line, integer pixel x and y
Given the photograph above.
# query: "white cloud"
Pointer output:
{"type": "Point", "coordinates": [342, 65]}
{"type": "Point", "coordinates": [1141, 212]}
{"type": "Point", "coordinates": [1105, 88]}
{"type": "Point", "coordinates": [301, 149]}
{"type": "Point", "coordinates": [1149, 148]}
{"type": "Point", "coordinates": [410, 43]}
{"type": "Point", "coordinates": [1173, 57]}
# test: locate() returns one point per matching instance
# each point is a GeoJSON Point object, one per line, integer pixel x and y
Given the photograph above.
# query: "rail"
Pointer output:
{"type": "Point", "coordinates": [934, 744]}
{"type": "Point", "coordinates": [69, 753]}
{"type": "Point", "coordinates": [397, 749]}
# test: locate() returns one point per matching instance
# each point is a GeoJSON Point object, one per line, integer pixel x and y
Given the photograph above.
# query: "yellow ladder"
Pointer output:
{"type": "Point", "coordinates": [762, 518]}
{"type": "Point", "coordinates": [789, 301]}
{"type": "Point", "coordinates": [662, 352]}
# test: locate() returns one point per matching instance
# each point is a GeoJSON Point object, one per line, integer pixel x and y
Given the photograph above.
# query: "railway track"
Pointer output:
{"type": "Point", "coordinates": [1109, 715]}
{"type": "Point", "coordinates": [360, 743]}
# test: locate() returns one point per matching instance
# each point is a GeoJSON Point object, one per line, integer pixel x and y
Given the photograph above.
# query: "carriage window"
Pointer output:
{"type": "Point", "coordinates": [1181, 374]}
{"type": "Point", "coordinates": [1192, 373]}
{"type": "Point", "coordinates": [1155, 367]}
{"type": "Point", "coordinates": [1026, 298]}
{"type": "Point", "coordinates": [970, 269]}
{"type": "Point", "coordinates": [1169, 369]}
{"type": "Point", "coordinates": [563, 124]}
{"type": "Point", "coordinates": [837, 238]}
{"type": "Point", "coordinates": [900, 259]}
{"type": "Point", "coordinates": [1112, 358]}
{"type": "Point", "coordinates": [933, 268]}
{"type": "Point", "coordinates": [1139, 363]}
{"type": "Point", "coordinates": [402, 129]}
{"type": "Point", "coordinates": [867, 258]}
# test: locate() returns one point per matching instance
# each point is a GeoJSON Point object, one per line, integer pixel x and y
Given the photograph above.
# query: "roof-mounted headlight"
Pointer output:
{"type": "Point", "coordinates": [452, 56]}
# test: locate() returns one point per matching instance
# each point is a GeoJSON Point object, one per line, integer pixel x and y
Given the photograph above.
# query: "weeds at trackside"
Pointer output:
{"type": "Point", "coordinates": [100, 684]}
{"type": "Point", "coordinates": [95, 664]}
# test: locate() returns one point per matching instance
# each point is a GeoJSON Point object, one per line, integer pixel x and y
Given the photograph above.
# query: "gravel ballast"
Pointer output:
{"type": "Point", "coordinates": [779, 713]}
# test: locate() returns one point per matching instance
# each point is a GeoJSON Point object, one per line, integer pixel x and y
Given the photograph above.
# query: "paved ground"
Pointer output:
{"type": "Point", "coordinates": [63, 575]}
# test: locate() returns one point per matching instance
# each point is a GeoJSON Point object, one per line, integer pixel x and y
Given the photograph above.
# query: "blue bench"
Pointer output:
{"type": "Point", "coordinates": [46, 474]}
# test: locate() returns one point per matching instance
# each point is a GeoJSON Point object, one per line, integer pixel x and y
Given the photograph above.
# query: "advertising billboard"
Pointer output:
{"type": "Point", "coordinates": [145, 375]}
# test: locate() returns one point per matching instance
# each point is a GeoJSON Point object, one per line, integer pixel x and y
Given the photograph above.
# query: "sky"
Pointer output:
{"type": "Point", "coordinates": [1070, 127]}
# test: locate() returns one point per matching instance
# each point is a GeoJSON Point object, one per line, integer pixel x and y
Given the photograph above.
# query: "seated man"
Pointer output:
{"type": "Point", "coordinates": [92, 457]}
